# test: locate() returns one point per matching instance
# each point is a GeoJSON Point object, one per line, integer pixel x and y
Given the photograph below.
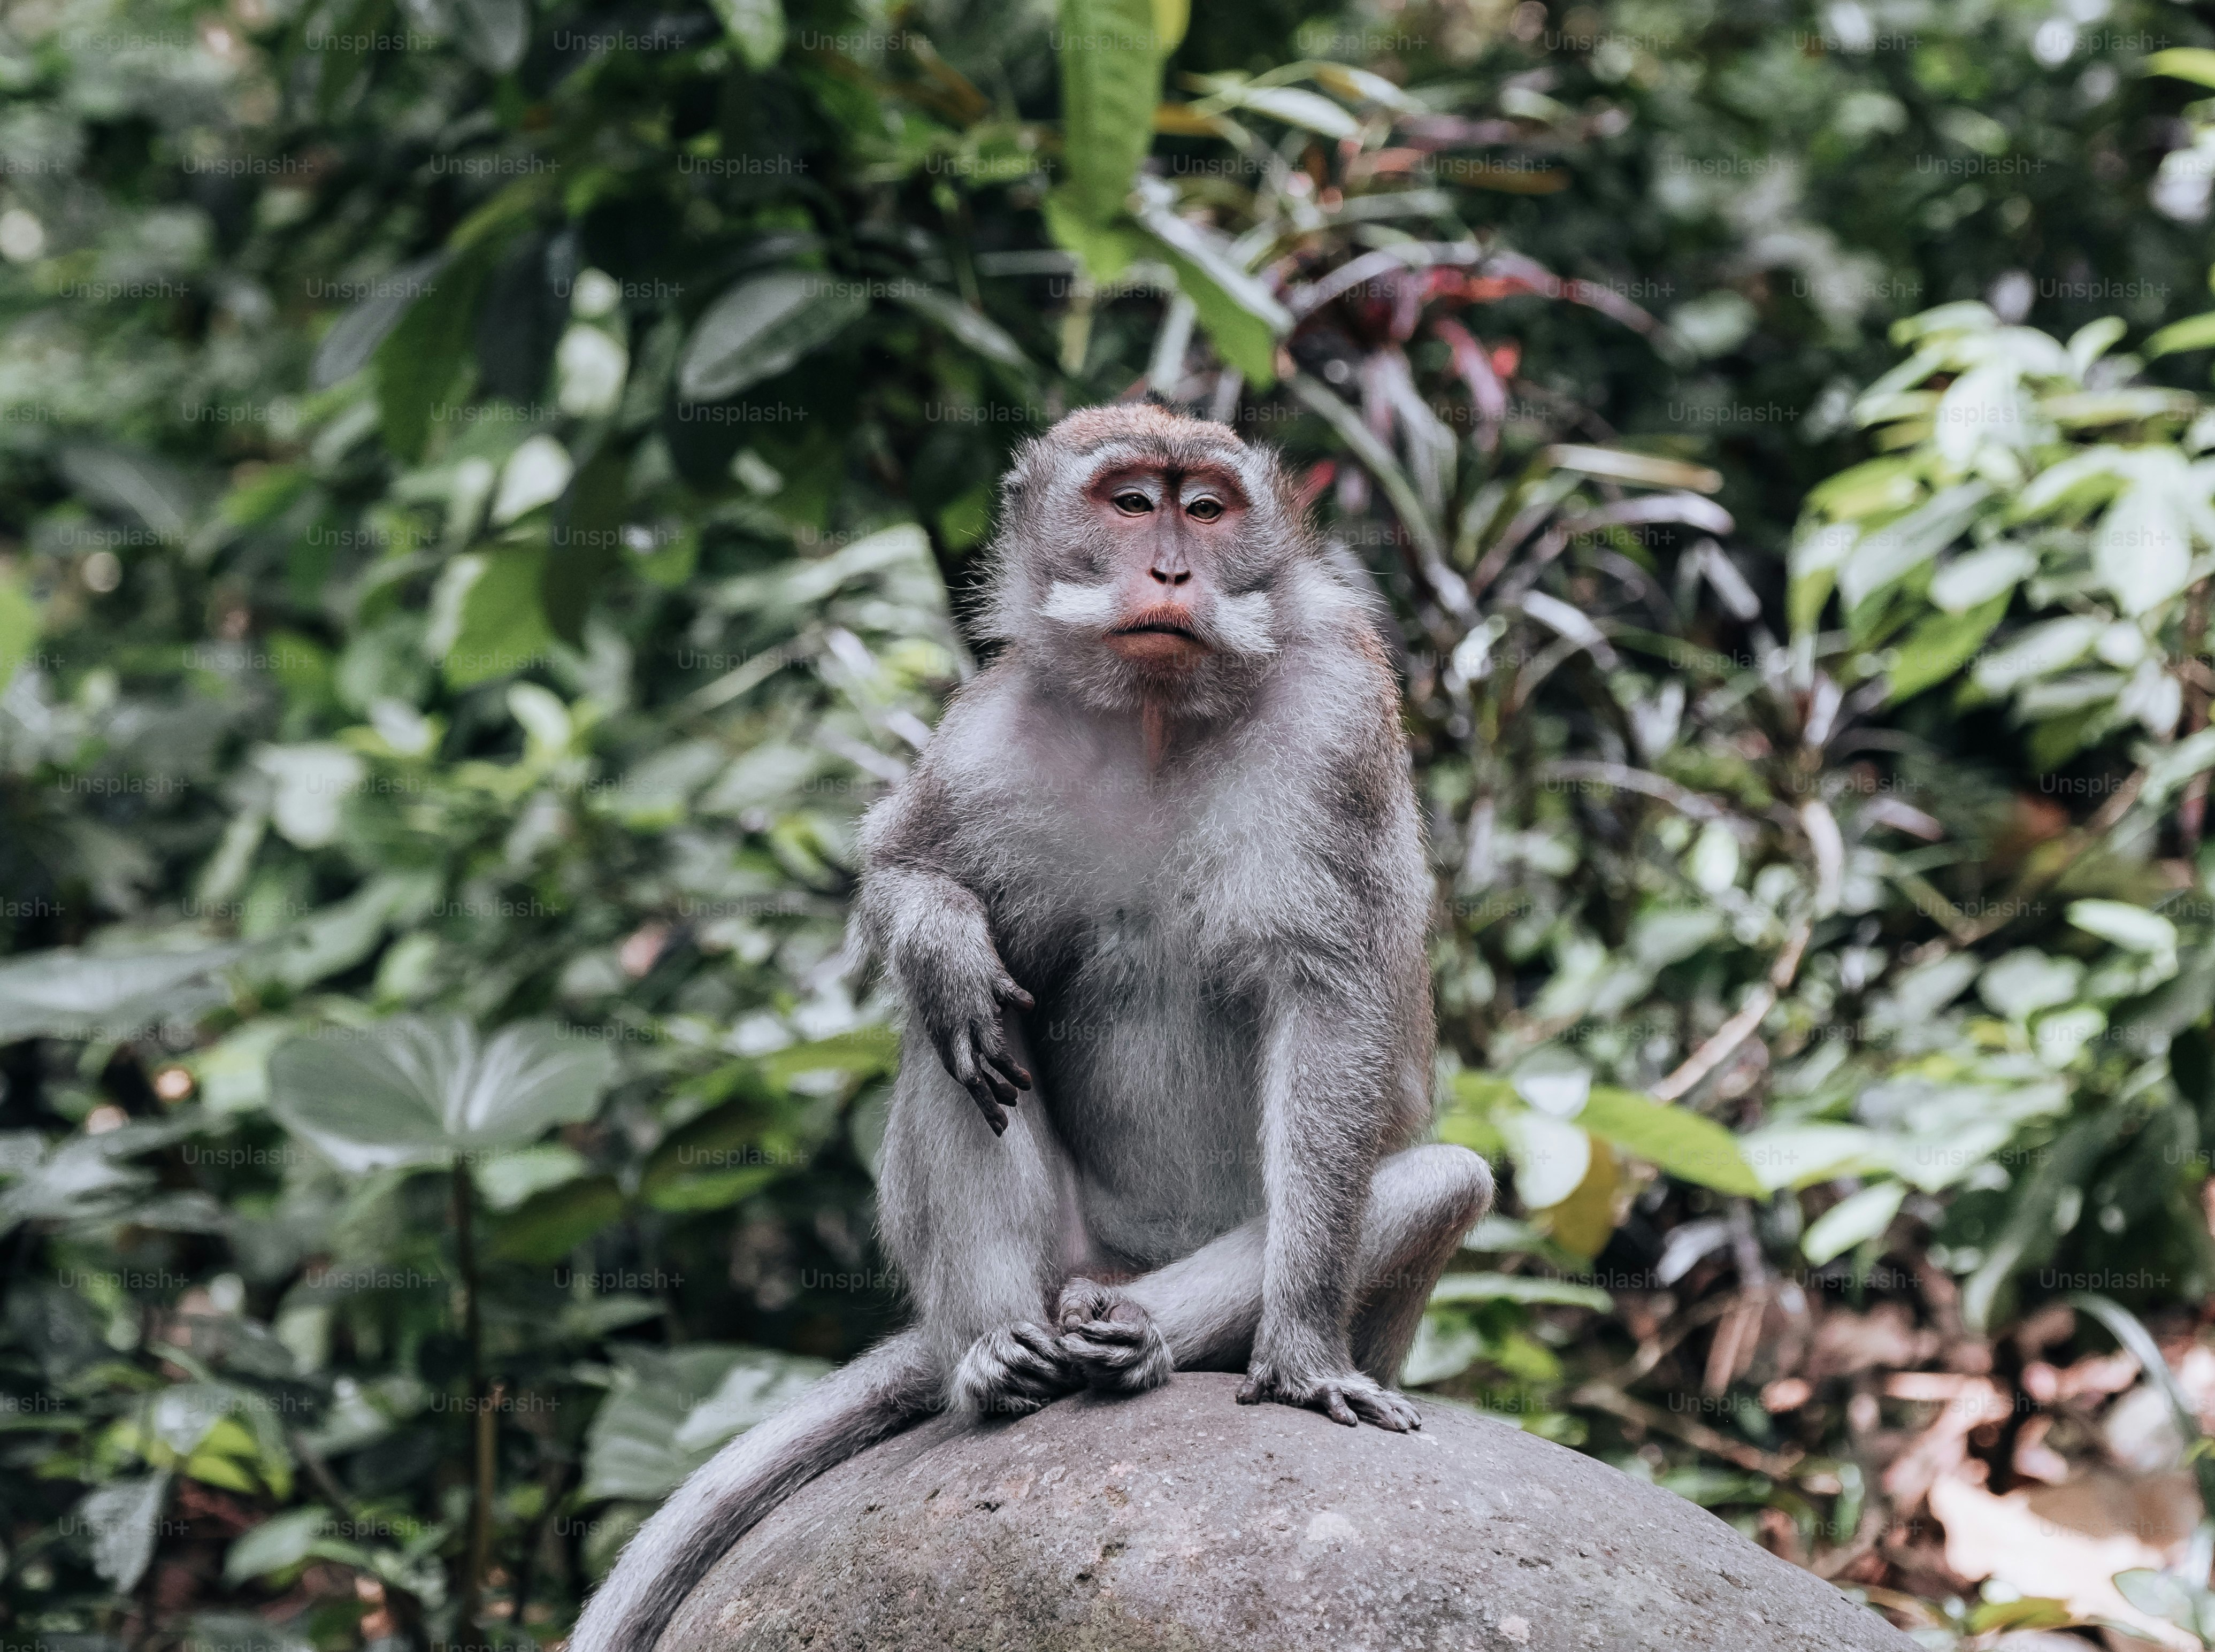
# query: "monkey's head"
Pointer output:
{"type": "Point", "coordinates": [1146, 557]}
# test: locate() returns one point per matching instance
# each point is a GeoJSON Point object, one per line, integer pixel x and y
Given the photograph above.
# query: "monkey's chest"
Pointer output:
{"type": "Point", "coordinates": [1149, 1065]}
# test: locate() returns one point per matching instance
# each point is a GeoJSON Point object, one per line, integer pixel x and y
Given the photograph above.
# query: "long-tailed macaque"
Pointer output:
{"type": "Point", "coordinates": [1154, 898]}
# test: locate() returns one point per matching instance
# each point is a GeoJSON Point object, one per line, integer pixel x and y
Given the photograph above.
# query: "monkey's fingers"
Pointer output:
{"type": "Point", "coordinates": [995, 1115]}
{"type": "Point", "coordinates": [1325, 1394]}
{"type": "Point", "coordinates": [1008, 1067]}
{"type": "Point", "coordinates": [983, 1066]}
{"type": "Point", "coordinates": [1107, 1332]}
{"type": "Point", "coordinates": [1333, 1406]}
{"type": "Point", "coordinates": [1082, 1299]}
{"type": "Point", "coordinates": [1002, 1090]}
{"type": "Point", "coordinates": [1385, 1409]}
{"type": "Point", "coordinates": [992, 1047]}
{"type": "Point", "coordinates": [1007, 991]}
{"type": "Point", "coordinates": [1034, 1354]}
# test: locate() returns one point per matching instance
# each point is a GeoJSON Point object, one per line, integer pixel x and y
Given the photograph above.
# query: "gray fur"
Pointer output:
{"type": "Point", "coordinates": [1203, 950]}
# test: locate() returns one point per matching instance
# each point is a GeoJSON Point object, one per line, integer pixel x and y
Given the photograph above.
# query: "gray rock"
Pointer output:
{"type": "Point", "coordinates": [1182, 1519]}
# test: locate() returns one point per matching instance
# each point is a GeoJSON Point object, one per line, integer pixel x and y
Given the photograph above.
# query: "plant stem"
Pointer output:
{"type": "Point", "coordinates": [2192, 813]}
{"type": "Point", "coordinates": [466, 1631]}
{"type": "Point", "coordinates": [554, 1478]}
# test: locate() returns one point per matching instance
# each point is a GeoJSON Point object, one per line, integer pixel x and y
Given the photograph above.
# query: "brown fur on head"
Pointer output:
{"type": "Point", "coordinates": [1144, 558]}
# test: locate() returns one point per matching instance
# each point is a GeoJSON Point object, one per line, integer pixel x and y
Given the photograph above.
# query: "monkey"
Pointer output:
{"type": "Point", "coordinates": [1154, 899]}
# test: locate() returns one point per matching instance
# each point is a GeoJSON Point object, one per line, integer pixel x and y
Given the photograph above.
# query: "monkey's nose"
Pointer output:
{"type": "Point", "coordinates": [1168, 578]}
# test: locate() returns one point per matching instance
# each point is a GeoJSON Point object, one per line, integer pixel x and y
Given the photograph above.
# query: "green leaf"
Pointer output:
{"type": "Point", "coordinates": [1346, 423]}
{"type": "Point", "coordinates": [2192, 63]}
{"type": "Point", "coordinates": [1687, 1145]}
{"type": "Point", "coordinates": [1645, 470]}
{"type": "Point", "coordinates": [1110, 54]}
{"type": "Point", "coordinates": [507, 1180]}
{"type": "Point", "coordinates": [1854, 1219]}
{"type": "Point", "coordinates": [1105, 250]}
{"type": "Point", "coordinates": [416, 1091]}
{"type": "Point", "coordinates": [281, 1541]}
{"type": "Point", "coordinates": [83, 1177]}
{"type": "Point", "coordinates": [631, 1446]}
{"type": "Point", "coordinates": [1974, 580]}
{"type": "Point", "coordinates": [2164, 1595]}
{"type": "Point", "coordinates": [1519, 1288]}
{"type": "Point", "coordinates": [1940, 646]}
{"type": "Point", "coordinates": [2027, 981]}
{"type": "Point", "coordinates": [2032, 1611]}
{"type": "Point", "coordinates": [549, 1225]}
{"type": "Point", "coordinates": [125, 1518]}
{"type": "Point", "coordinates": [757, 28]}
{"type": "Point", "coordinates": [1884, 555]}
{"type": "Point", "coordinates": [131, 482]}
{"type": "Point", "coordinates": [943, 309]}
{"type": "Point", "coordinates": [2142, 549]}
{"type": "Point", "coordinates": [2029, 1236]}
{"type": "Point", "coordinates": [20, 622]}
{"type": "Point", "coordinates": [2132, 927]}
{"type": "Point", "coordinates": [761, 327]}
{"type": "Point", "coordinates": [587, 543]}
{"type": "Point", "coordinates": [752, 1390]}
{"type": "Point", "coordinates": [1551, 1158]}
{"type": "Point", "coordinates": [495, 33]}
{"type": "Point", "coordinates": [863, 1051]}
{"type": "Point", "coordinates": [421, 361]}
{"type": "Point", "coordinates": [1240, 314]}
{"type": "Point", "coordinates": [723, 1156]}
{"type": "Point", "coordinates": [1445, 1345]}
{"type": "Point", "coordinates": [1552, 1080]}
{"type": "Point", "coordinates": [354, 337]}
{"type": "Point", "coordinates": [486, 615]}
{"type": "Point", "coordinates": [1292, 105]}
{"type": "Point", "coordinates": [67, 994]}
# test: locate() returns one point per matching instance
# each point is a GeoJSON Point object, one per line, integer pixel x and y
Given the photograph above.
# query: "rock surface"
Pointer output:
{"type": "Point", "coordinates": [1182, 1519]}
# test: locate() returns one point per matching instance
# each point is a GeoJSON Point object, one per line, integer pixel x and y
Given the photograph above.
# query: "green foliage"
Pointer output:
{"type": "Point", "coordinates": [480, 489]}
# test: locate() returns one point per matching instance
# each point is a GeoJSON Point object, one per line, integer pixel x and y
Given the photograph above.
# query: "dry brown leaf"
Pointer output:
{"type": "Point", "coordinates": [1942, 1448]}
{"type": "Point", "coordinates": [1885, 1338]}
{"type": "Point", "coordinates": [2010, 1539]}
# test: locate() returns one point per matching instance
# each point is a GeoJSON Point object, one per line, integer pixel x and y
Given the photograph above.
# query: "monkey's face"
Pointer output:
{"type": "Point", "coordinates": [1167, 532]}
{"type": "Point", "coordinates": [1149, 563]}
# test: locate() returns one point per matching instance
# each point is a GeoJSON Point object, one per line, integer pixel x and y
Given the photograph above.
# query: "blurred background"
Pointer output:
{"type": "Point", "coordinates": [489, 493]}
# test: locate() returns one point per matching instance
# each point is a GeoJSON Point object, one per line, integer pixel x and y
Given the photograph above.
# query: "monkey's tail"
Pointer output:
{"type": "Point", "coordinates": [875, 1396]}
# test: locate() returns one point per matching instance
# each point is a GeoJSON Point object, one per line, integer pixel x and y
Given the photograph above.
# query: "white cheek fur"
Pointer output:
{"type": "Point", "coordinates": [1245, 623]}
{"type": "Point", "coordinates": [1075, 604]}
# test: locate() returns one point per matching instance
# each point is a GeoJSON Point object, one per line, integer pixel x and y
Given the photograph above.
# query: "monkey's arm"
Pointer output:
{"type": "Point", "coordinates": [1327, 1061]}
{"type": "Point", "coordinates": [930, 930]}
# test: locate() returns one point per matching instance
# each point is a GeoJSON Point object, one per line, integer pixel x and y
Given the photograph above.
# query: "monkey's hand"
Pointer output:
{"type": "Point", "coordinates": [959, 1011]}
{"type": "Point", "coordinates": [1109, 1337]}
{"type": "Point", "coordinates": [1344, 1396]}
{"type": "Point", "coordinates": [1012, 1372]}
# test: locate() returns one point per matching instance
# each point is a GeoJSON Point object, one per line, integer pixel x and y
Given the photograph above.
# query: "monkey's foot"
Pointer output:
{"type": "Point", "coordinates": [1111, 1340]}
{"type": "Point", "coordinates": [1013, 1371]}
{"type": "Point", "coordinates": [1345, 1397]}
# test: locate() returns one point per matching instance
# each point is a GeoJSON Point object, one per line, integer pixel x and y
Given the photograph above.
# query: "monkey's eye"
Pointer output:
{"type": "Point", "coordinates": [1204, 509]}
{"type": "Point", "coordinates": [1133, 503]}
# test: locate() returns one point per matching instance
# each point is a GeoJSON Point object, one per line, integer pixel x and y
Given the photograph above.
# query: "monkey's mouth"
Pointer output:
{"type": "Point", "coordinates": [1157, 640]}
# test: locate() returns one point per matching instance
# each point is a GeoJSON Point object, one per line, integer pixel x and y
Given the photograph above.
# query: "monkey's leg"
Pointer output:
{"type": "Point", "coordinates": [981, 1226]}
{"type": "Point", "coordinates": [1420, 1206]}
{"type": "Point", "coordinates": [1208, 1305]}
